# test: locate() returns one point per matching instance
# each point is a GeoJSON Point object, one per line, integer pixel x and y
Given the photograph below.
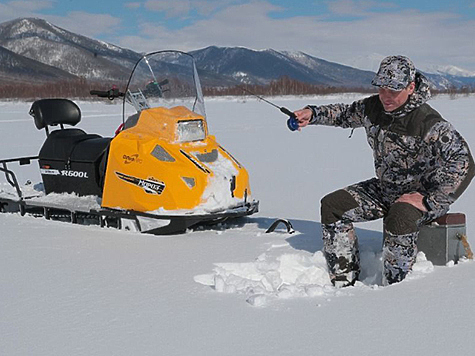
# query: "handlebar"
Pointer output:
{"type": "Point", "coordinates": [110, 94]}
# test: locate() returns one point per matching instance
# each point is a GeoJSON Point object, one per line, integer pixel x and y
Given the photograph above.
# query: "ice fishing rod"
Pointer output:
{"type": "Point", "coordinates": [292, 122]}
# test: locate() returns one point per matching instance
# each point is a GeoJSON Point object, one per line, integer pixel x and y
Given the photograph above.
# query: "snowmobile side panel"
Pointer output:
{"type": "Point", "coordinates": [137, 180]}
{"type": "Point", "coordinates": [77, 177]}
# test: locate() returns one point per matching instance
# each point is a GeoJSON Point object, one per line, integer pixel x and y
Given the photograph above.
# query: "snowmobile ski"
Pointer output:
{"type": "Point", "coordinates": [285, 222]}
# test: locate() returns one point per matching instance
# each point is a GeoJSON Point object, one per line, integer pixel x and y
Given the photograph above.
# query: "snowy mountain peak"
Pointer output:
{"type": "Point", "coordinates": [29, 27]}
{"type": "Point", "coordinates": [450, 70]}
{"type": "Point", "coordinates": [38, 40]}
{"type": "Point", "coordinates": [37, 29]}
{"type": "Point", "coordinates": [295, 54]}
{"type": "Point", "coordinates": [80, 56]}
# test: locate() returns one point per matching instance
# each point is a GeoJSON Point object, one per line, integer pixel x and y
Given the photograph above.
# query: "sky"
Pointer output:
{"type": "Point", "coordinates": [353, 32]}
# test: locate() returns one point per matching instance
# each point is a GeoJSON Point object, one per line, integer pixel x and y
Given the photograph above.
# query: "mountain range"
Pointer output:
{"type": "Point", "coordinates": [33, 50]}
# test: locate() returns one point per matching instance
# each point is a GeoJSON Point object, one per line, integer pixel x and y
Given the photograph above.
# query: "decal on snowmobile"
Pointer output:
{"type": "Point", "coordinates": [132, 159]}
{"type": "Point", "coordinates": [64, 172]}
{"type": "Point", "coordinates": [149, 185]}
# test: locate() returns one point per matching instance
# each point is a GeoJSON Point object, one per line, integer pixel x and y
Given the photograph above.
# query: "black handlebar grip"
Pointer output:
{"type": "Point", "coordinates": [111, 94]}
{"type": "Point", "coordinates": [99, 93]}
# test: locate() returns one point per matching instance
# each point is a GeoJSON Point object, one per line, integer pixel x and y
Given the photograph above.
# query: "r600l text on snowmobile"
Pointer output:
{"type": "Point", "coordinates": [161, 173]}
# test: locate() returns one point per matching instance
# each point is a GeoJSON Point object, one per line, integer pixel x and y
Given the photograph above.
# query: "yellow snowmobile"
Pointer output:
{"type": "Point", "coordinates": [162, 173]}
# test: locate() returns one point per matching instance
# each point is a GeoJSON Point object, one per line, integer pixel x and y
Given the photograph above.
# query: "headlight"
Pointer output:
{"type": "Point", "coordinates": [192, 130]}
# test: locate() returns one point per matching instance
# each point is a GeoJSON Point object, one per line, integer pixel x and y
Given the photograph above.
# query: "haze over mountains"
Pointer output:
{"type": "Point", "coordinates": [34, 50]}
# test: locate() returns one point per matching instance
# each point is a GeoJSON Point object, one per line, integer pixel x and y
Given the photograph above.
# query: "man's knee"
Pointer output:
{"type": "Point", "coordinates": [402, 219]}
{"type": "Point", "coordinates": [335, 204]}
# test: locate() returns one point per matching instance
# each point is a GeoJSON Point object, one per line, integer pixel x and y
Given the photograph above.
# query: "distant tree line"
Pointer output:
{"type": "Point", "coordinates": [80, 89]}
{"type": "Point", "coordinates": [454, 91]}
{"type": "Point", "coordinates": [282, 86]}
{"type": "Point", "coordinates": [289, 86]}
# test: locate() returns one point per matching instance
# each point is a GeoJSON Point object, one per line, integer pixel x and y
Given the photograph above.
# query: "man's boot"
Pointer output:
{"type": "Point", "coordinates": [340, 246]}
{"type": "Point", "coordinates": [399, 255]}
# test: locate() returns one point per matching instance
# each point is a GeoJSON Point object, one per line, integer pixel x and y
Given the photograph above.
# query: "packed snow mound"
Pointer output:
{"type": "Point", "coordinates": [289, 275]}
{"type": "Point", "coordinates": [294, 275]}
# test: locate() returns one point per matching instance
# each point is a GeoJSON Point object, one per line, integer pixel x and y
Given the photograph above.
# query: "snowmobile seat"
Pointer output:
{"type": "Point", "coordinates": [51, 112]}
{"type": "Point", "coordinates": [73, 145]}
{"type": "Point", "coordinates": [71, 160]}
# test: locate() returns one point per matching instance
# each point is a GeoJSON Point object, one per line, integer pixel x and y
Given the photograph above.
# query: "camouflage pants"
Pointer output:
{"type": "Point", "coordinates": [365, 201]}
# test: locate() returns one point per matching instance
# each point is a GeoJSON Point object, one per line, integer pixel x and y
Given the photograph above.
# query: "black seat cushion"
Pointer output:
{"type": "Point", "coordinates": [73, 145]}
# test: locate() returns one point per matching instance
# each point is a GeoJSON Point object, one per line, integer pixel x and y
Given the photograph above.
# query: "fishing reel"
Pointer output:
{"type": "Point", "coordinates": [292, 122]}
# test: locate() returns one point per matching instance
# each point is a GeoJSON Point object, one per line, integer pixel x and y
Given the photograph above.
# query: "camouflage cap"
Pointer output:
{"type": "Point", "coordinates": [395, 72]}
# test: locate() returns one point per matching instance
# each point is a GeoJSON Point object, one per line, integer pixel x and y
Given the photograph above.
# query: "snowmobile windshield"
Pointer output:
{"type": "Point", "coordinates": [164, 79]}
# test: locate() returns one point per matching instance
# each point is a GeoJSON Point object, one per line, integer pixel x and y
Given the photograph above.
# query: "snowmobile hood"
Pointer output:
{"type": "Point", "coordinates": [175, 125]}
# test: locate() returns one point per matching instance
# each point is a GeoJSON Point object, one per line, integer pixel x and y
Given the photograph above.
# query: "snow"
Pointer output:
{"type": "Point", "coordinates": [287, 276]}
{"type": "Point", "coordinates": [216, 195]}
{"type": "Point", "coordinates": [231, 289]}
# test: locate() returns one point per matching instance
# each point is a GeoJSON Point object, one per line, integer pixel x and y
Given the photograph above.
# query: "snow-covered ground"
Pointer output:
{"type": "Point", "coordinates": [232, 289]}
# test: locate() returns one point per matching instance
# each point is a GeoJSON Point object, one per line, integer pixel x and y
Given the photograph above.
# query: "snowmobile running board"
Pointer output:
{"type": "Point", "coordinates": [106, 217]}
{"type": "Point", "coordinates": [125, 219]}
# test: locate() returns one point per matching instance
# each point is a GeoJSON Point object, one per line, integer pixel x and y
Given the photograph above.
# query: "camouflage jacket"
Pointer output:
{"type": "Point", "coordinates": [415, 152]}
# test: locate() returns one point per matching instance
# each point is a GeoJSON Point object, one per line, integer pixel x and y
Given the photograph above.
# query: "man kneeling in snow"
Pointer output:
{"type": "Point", "coordinates": [422, 166]}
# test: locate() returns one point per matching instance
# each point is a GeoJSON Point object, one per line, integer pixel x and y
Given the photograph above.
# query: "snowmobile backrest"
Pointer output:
{"type": "Point", "coordinates": [50, 112]}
